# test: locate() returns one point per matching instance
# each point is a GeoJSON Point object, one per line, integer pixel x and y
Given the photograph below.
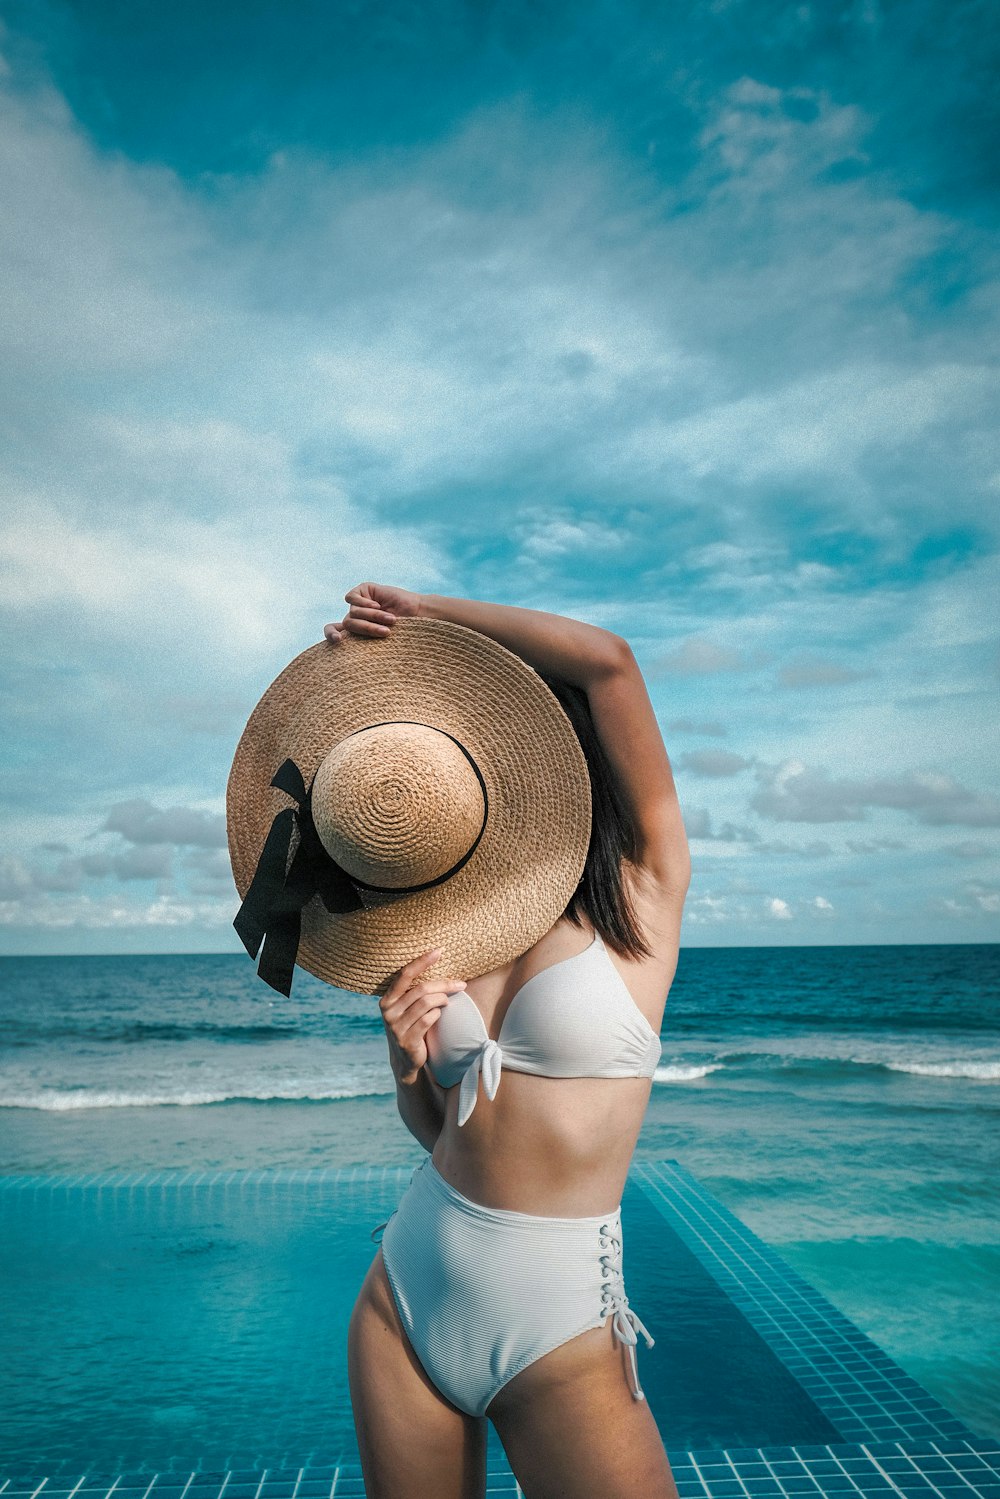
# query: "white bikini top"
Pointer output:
{"type": "Point", "coordinates": [592, 1028]}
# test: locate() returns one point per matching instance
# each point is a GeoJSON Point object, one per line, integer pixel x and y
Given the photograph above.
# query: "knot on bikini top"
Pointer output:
{"type": "Point", "coordinates": [488, 1060]}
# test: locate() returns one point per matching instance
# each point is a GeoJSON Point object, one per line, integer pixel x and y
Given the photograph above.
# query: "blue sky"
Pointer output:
{"type": "Point", "coordinates": [681, 320]}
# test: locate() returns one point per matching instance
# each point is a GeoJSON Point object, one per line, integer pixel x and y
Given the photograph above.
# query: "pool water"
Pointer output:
{"type": "Point", "coordinates": [199, 1320]}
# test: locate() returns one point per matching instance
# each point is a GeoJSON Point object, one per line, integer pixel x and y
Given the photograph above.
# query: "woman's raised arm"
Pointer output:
{"type": "Point", "coordinates": [588, 656]}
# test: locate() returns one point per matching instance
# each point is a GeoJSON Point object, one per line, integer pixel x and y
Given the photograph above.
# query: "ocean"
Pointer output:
{"type": "Point", "coordinates": [843, 1101]}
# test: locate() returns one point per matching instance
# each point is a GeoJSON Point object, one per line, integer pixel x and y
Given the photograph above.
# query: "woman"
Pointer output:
{"type": "Point", "coordinates": [571, 1421]}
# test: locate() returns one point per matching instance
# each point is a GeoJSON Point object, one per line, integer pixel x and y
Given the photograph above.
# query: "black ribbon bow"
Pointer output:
{"type": "Point", "coordinates": [272, 907]}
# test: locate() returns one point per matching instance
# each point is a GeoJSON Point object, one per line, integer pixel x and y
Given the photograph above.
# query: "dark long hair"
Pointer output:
{"type": "Point", "coordinates": [601, 893]}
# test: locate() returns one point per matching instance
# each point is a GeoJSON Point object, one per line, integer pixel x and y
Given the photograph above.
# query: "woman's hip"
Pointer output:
{"type": "Point", "coordinates": [460, 1240]}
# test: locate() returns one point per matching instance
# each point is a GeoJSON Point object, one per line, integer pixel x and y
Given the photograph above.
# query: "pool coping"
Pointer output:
{"type": "Point", "coordinates": [864, 1394]}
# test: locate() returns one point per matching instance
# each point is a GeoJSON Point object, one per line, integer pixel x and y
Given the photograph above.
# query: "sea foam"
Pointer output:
{"type": "Point", "coordinates": [679, 1073]}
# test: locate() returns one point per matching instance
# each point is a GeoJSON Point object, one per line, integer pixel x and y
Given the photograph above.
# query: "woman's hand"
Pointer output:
{"type": "Point", "coordinates": [409, 1010]}
{"type": "Point", "coordinates": [374, 609]}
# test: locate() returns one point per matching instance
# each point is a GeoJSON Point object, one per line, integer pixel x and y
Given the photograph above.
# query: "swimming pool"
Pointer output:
{"type": "Point", "coordinates": [180, 1323]}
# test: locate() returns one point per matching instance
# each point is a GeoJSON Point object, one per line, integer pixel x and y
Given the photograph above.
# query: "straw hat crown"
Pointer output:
{"type": "Point", "coordinates": [397, 804]}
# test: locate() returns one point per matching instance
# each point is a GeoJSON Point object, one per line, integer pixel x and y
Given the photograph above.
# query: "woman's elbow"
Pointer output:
{"type": "Point", "coordinates": [609, 654]}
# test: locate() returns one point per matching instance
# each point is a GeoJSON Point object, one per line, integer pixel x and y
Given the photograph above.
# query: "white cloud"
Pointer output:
{"type": "Point", "coordinates": [713, 763]}
{"type": "Point", "coordinates": [698, 822]}
{"type": "Point", "coordinates": [698, 825]}
{"type": "Point", "coordinates": [818, 848]}
{"type": "Point", "coordinates": [419, 374]}
{"type": "Point", "coordinates": [15, 880]}
{"type": "Point", "coordinates": [95, 244]}
{"type": "Point", "coordinates": [710, 729]}
{"type": "Point", "coordinates": [215, 588]}
{"type": "Point", "coordinates": [823, 424]}
{"type": "Point", "coordinates": [779, 909]}
{"type": "Point", "coordinates": [814, 671]}
{"type": "Point", "coordinates": [140, 822]}
{"type": "Point", "coordinates": [792, 792]}
{"type": "Point", "coordinates": [707, 908]}
{"type": "Point", "coordinates": [154, 862]}
{"type": "Point", "coordinates": [972, 901]}
{"type": "Point", "coordinates": [970, 848]}
{"type": "Point", "coordinates": [563, 537]}
{"type": "Point", "coordinates": [114, 912]}
{"type": "Point", "coordinates": [697, 656]}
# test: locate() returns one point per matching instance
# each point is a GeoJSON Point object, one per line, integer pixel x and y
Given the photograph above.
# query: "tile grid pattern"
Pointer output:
{"type": "Point", "coordinates": [181, 1177]}
{"type": "Point", "coordinates": [858, 1387]}
{"type": "Point", "coordinates": [943, 1469]}
{"type": "Point", "coordinates": [343, 1481]}
{"type": "Point", "coordinates": [959, 1469]}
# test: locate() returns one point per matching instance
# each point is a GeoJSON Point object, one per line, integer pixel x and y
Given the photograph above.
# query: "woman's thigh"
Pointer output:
{"type": "Point", "coordinates": [412, 1440]}
{"type": "Point", "coordinates": [571, 1428]}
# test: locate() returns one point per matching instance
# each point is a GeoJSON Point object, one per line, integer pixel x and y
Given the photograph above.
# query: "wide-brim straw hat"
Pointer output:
{"type": "Point", "coordinates": [444, 801]}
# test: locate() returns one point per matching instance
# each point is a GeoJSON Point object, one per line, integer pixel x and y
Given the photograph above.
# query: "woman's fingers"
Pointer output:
{"type": "Point", "coordinates": [358, 622]}
{"type": "Point", "coordinates": [414, 1034]}
{"type": "Point", "coordinates": [374, 609]}
{"type": "Point", "coordinates": [410, 1007]}
{"type": "Point", "coordinates": [348, 626]}
{"type": "Point", "coordinates": [404, 977]}
{"type": "Point", "coordinates": [398, 601]}
{"type": "Point", "coordinates": [365, 627]}
{"type": "Point", "coordinates": [407, 1007]}
{"type": "Point", "coordinates": [369, 621]}
{"type": "Point", "coordinates": [365, 617]}
{"type": "Point", "coordinates": [362, 593]}
{"type": "Point", "coordinates": [408, 1021]}
{"type": "Point", "coordinates": [384, 616]}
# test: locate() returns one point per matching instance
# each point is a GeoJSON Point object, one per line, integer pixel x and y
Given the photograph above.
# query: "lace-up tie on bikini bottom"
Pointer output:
{"type": "Point", "coordinates": [627, 1324]}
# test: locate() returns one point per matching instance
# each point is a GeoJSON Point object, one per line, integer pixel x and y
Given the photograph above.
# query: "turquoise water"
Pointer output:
{"type": "Point", "coordinates": [208, 1324]}
{"type": "Point", "coordinates": [842, 1101]}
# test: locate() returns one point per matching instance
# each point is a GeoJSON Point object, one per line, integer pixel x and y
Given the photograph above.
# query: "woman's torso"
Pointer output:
{"type": "Point", "coordinates": [559, 1146]}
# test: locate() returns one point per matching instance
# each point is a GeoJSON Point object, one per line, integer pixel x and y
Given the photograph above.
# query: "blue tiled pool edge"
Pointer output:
{"type": "Point", "coordinates": [897, 1438]}
{"type": "Point", "coordinates": [863, 1392]}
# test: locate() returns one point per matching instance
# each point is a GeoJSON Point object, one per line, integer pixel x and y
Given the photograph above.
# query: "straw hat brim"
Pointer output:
{"type": "Point", "coordinates": [529, 860]}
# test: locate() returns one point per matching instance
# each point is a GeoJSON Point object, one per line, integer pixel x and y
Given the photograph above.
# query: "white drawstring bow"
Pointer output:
{"type": "Point", "coordinates": [488, 1060]}
{"type": "Point", "coordinates": [626, 1324]}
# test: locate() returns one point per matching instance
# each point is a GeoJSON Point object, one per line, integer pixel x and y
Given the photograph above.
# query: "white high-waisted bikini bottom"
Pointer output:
{"type": "Point", "coordinates": [482, 1292]}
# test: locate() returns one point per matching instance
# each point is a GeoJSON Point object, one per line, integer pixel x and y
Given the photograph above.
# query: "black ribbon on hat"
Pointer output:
{"type": "Point", "coordinates": [271, 913]}
{"type": "Point", "coordinates": [272, 906]}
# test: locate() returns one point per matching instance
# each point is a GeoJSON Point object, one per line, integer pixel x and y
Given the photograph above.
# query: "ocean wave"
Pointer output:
{"type": "Point", "coordinates": [364, 1080]}
{"type": "Point", "coordinates": [984, 1072]}
{"type": "Point", "coordinates": [844, 1067]}
{"type": "Point", "coordinates": [28, 1033]}
{"type": "Point", "coordinates": [681, 1073]}
{"type": "Point", "coordinates": [820, 1063]}
{"type": "Point", "coordinates": [53, 1101]}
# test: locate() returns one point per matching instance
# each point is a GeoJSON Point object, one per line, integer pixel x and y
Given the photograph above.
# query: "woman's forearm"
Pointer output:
{"type": "Point", "coordinates": [420, 1109]}
{"type": "Point", "coordinates": [551, 643]}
